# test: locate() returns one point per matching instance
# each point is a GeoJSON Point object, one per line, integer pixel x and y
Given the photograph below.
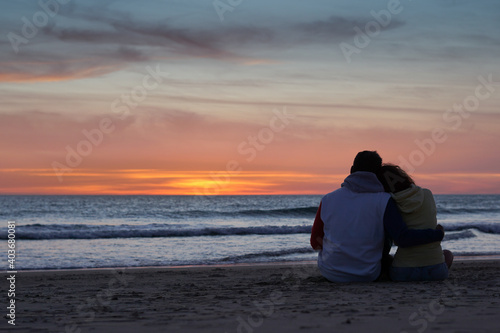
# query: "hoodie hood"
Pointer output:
{"type": "Point", "coordinates": [409, 200]}
{"type": "Point", "coordinates": [363, 182]}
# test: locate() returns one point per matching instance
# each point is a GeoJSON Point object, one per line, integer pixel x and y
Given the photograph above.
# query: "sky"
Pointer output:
{"type": "Point", "coordinates": [246, 97]}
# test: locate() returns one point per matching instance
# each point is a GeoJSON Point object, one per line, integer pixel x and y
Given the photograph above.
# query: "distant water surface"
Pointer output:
{"type": "Point", "coordinates": [115, 231]}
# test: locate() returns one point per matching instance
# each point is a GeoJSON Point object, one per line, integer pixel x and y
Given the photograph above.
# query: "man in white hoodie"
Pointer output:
{"type": "Point", "coordinates": [354, 223]}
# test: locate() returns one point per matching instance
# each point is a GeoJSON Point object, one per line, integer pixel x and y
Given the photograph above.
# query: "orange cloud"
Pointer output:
{"type": "Point", "coordinates": [162, 151]}
{"type": "Point", "coordinates": [161, 182]}
{"type": "Point", "coordinates": [54, 76]}
{"type": "Point", "coordinates": [460, 183]}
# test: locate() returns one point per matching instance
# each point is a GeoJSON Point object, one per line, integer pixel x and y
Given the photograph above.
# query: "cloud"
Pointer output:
{"type": "Point", "coordinates": [173, 140]}
{"type": "Point", "coordinates": [106, 40]}
{"type": "Point", "coordinates": [210, 41]}
{"type": "Point", "coordinates": [95, 53]}
{"type": "Point", "coordinates": [116, 28]}
{"type": "Point", "coordinates": [60, 71]}
{"type": "Point", "coordinates": [337, 27]}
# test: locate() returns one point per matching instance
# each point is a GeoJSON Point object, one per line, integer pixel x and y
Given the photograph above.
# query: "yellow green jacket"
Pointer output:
{"type": "Point", "coordinates": [418, 209]}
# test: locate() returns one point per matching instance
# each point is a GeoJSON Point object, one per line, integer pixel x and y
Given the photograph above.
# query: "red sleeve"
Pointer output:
{"type": "Point", "coordinates": [317, 232]}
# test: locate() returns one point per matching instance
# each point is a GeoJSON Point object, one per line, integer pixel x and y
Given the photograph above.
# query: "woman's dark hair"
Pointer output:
{"type": "Point", "coordinates": [394, 179]}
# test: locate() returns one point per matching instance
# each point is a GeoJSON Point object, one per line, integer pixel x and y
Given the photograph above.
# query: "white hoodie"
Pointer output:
{"type": "Point", "coordinates": [353, 218]}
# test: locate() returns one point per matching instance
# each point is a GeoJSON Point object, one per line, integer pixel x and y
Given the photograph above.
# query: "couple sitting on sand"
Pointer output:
{"type": "Point", "coordinates": [377, 205]}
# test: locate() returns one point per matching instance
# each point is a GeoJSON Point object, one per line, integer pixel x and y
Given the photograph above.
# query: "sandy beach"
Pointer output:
{"type": "Point", "coordinates": [252, 298]}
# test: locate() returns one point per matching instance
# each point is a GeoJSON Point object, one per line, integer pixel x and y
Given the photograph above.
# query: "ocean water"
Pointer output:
{"type": "Point", "coordinates": [61, 232]}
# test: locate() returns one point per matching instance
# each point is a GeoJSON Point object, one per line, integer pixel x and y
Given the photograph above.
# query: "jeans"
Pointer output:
{"type": "Point", "coordinates": [425, 273]}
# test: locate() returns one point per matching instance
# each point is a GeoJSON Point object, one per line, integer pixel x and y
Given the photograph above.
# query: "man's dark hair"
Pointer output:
{"type": "Point", "coordinates": [367, 161]}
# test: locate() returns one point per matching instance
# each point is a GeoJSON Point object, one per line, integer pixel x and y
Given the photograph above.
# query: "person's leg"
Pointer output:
{"type": "Point", "coordinates": [405, 274]}
{"type": "Point", "coordinates": [437, 272]}
{"type": "Point", "coordinates": [448, 258]}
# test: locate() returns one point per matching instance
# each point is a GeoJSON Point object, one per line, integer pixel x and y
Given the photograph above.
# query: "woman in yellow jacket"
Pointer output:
{"type": "Point", "coordinates": [423, 262]}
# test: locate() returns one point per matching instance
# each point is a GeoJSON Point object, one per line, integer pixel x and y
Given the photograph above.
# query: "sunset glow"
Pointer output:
{"type": "Point", "coordinates": [171, 99]}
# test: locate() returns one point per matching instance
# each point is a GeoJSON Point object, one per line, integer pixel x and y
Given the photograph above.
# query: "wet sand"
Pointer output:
{"type": "Point", "coordinates": [290, 297]}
